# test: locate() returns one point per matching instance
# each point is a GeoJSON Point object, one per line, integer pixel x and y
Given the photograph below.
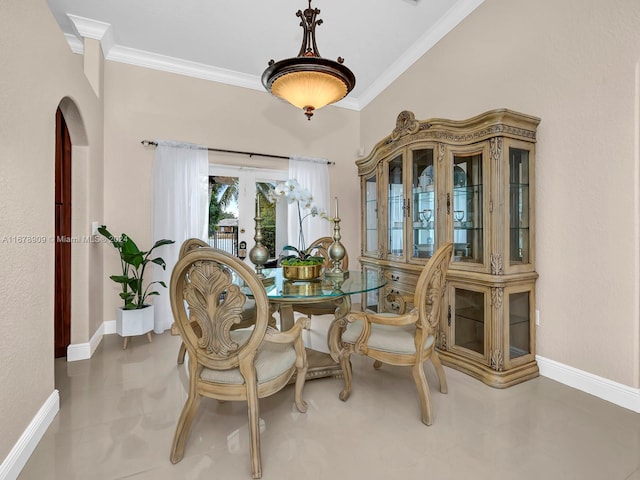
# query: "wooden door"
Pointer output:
{"type": "Point", "coordinates": [62, 282]}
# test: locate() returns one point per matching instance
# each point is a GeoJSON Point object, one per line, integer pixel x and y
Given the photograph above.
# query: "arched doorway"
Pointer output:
{"type": "Point", "coordinates": [70, 299]}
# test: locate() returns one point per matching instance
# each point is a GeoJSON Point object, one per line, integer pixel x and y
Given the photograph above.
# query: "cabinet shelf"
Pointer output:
{"type": "Point", "coordinates": [475, 346]}
{"type": "Point", "coordinates": [462, 227]}
{"type": "Point", "coordinates": [470, 313]}
{"type": "Point", "coordinates": [518, 319]}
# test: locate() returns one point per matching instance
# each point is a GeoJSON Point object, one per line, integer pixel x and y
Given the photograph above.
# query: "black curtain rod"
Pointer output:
{"type": "Point", "coordinates": [148, 143]}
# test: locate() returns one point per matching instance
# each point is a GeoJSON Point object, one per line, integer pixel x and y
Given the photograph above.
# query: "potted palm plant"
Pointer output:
{"type": "Point", "coordinates": [135, 317]}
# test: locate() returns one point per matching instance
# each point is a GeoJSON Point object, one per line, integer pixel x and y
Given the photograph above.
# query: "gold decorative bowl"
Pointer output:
{"type": "Point", "coordinates": [301, 272]}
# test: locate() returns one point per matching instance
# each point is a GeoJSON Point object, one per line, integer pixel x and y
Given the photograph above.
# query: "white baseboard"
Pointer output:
{"type": "Point", "coordinates": [617, 393]}
{"type": "Point", "coordinates": [109, 327]}
{"type": "Point", "coordinates": [28, 441]}
{"type": "Point", "coordinates": [84, 351]}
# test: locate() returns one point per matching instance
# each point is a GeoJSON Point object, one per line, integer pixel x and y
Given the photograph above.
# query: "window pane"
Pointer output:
{"type": "Point", "coordinates": [268, 212]}
{"type": "Point", "coordinates": [223, 213]}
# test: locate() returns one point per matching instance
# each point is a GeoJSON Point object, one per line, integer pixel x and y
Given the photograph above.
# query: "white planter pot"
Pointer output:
{"type": "Point", "coordinates": [134, 322]}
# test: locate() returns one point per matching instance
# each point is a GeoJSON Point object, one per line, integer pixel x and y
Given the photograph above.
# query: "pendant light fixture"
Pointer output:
{"type": "Point", "coordinates": [309, 81]}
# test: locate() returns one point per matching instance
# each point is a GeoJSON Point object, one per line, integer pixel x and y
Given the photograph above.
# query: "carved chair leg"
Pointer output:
{"type": "Point", "coordinates": [345, 363]}
{"type": "Point", "coordinates": [302, 366]}
{"type": "Point", "coordinates": [184, 426]}
{"type": "Point", "coordinates": [254, 417]}
{"type": "Point", "coordinates": [423, 392]}
{"type": "Point", "coordinates": [435, 359]}
{"type": "Point", "coordinates": [149, 337]}
{"type": "Point", "coordinates": [377, 364]}
{"type": "Point", "coordinates": [181, 353]}
{"type": "Point", "coordinates": [254, 434]}
{"type": "Point", "coordinates": [125, 343]}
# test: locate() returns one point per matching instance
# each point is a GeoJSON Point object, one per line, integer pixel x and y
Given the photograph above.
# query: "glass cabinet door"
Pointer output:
{"type": "Point", "coordinates": [519, 201]}
{"type": "Point", "coordinates": [397, 205]}
{"type": "Point", "coordinates": [468, 318]}
{"type": "Point", "coordinates": [467, 209]}
{"type": "Point", "coordinates": [423, 203]}
{"type": "Point", "coordinates": [370, 201]}
{"type": "Point", "coordinates": [519, 323]}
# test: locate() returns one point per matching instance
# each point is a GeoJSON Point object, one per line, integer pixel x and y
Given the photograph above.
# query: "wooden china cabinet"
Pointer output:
{"type": "Point", "coordinates": [469, 182]}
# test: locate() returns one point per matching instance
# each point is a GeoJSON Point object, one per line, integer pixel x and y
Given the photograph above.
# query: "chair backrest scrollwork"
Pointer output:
{"type": "Point", "coordinates": [430, 288]}
{"type": "Point", "coordinates": [208, 293]}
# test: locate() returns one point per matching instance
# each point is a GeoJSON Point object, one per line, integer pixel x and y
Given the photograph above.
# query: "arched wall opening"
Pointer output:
{"type": "Point", "coordinates": [80, 238]}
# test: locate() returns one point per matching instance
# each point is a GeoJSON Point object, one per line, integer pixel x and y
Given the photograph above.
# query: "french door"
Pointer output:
{"type": "Point", "coordinates": [237, 192]}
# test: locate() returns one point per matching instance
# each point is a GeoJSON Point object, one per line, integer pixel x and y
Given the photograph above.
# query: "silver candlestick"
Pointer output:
{"type": "Point", "coordinates": [259, 254]}
{"type": "Point", "coordinates": [336, 251]}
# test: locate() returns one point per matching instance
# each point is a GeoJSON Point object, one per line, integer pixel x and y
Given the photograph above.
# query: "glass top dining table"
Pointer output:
{"type": "Point", "coordinates": [321, 289]}
{"type": "Point", "coordinates": [284, 294]}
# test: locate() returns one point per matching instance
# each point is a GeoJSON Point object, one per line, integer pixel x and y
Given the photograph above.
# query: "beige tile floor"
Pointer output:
{"type": "Point", "coordinates": [118, 413]}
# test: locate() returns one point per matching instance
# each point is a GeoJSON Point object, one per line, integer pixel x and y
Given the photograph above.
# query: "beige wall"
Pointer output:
{"type": "Point", "coordinates": [143, 104]}
{"type": "Point", "coordinates": [574, 64]}
{"type": "Point", "coordinates": [37, 71]}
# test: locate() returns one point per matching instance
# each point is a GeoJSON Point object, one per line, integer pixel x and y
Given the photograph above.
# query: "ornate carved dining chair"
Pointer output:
{"type": "Point", "coordinates": [403, 339]}
{"type": "Point", "coordinates": [248, 312]}
{"type": "Point", "coordinates": [328, 307]}
{"type": "Point", "coordinates": [209, 289]}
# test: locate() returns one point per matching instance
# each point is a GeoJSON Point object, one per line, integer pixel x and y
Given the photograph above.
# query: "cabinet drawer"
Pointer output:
{"type": "Point", "coordinates": [391, 291]}
{"type": "Point", "coordinates": [402, 279]}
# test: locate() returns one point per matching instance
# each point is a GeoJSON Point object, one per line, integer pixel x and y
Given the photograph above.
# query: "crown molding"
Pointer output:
{"type": "Point", "coordinates": [164, 63]}
{"type": "Point", "coordinates": [89, 28]}
{"type": "Point", "coordinates": [77, 45]}
{"type": "Point", "coordinates": [432, 36]}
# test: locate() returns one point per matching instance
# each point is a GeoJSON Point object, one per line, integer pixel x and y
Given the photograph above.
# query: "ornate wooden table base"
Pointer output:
{"type": "Point", "coordinates": [283, 294]}
{"type": "Point", "coordinates": [321, 364]}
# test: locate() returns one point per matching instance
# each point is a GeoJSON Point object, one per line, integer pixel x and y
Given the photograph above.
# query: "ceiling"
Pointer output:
{"type": "Point", "coordinates": [232, 41]}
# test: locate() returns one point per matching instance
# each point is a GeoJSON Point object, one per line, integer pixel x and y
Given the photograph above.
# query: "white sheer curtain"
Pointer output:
{"type": "Point", "coordinates": [312, 174]}
{"type": "Point", "coordinates": [180, 210]}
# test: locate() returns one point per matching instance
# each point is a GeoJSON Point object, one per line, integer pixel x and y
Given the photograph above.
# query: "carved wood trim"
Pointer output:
{"type": "Point", "coordinates": [442, 340]}
{"type": "Point", "coordinates": [497, 360]}
{"type": "Point", "coordinates": [472, 130]}
{"type": "Point", "coordinates": [497, 294]}
{"type": "Point", "coordinates": [497, 266]}
{"type": "Point", "coordinates": [406, 124]}
{"type": "Point", "coordinates": [495, 147]}
{"type": "Point", "coordinates": [208, 283]}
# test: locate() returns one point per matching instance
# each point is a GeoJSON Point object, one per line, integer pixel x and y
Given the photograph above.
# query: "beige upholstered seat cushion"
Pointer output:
{"type": "Point", "coordinates": [271, 361]}
{"type": "Point", "coordinates": [386, 338]}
